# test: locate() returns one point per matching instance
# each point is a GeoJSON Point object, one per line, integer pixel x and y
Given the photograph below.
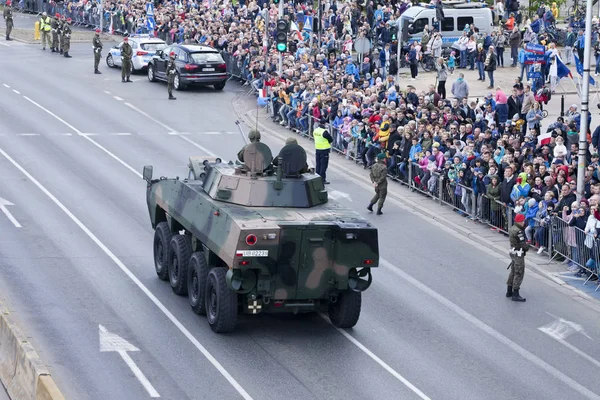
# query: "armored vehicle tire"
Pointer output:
{"type": "Point", "coordinates": [162, 238]}
{"type": "Point", "coordinates": [180, 251]}
{"type": "Point", "coordinates": [196, 282]}
{"type": "Point", "coordinates": [221, 302]}
{"type": "Point", "coordinates": [344, 313]}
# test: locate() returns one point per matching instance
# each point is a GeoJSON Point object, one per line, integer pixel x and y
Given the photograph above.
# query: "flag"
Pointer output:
{"type": "Point", "coordinates": [544, 138]}
{"type": "Point", "coordinates": [262, 99]}
{"type": "Point", "coordinates": [579, 67]}
{"type": "Point", "coordinates": [561, 69]}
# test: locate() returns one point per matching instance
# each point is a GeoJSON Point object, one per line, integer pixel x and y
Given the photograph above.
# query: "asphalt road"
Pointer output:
{"type": "Point", "coordinates": [435, 324]}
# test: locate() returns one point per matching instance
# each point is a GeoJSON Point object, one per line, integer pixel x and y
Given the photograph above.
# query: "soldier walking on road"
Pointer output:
{"type": "Point", "coordinates": [54, 29]}
{"type": "Point", "coordinates": [519, 247]}
{"type": "Point", "coordinates": [171, 71]}
{"type": "Point", "coordinates": [323, 141]}
{"type": "Point", "coordinates": [126, 55]}
{"type": "Point", "coordinates": [67, 40]}
{"type": "Point", "coordinates": [97, 51]}
{"type": "Point", "coordinates": [379, 179]}
{"type": "Point", "coordinates": [45, 26]}
{"type": "Point", "coordinates": [9, 19]}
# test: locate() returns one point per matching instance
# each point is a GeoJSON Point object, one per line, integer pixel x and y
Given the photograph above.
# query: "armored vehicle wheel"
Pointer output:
{"type": "Point", "coordinates": [196, 282]}
{"type": "Point", "coordinates": [345, 311]}
{"type": "Point", "coordinates": [221, 302]}
{"type": "Point", "coordinates": [162, 238]}
{"type": "Point", "coordinates": [180, 250]}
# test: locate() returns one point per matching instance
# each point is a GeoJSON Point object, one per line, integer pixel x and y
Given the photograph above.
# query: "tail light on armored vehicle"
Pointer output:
{"type": "Point", "coordinates": [251, 240]}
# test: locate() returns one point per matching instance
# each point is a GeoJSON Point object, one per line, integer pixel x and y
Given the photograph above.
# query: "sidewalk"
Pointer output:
{"type": "Point", "coordinates": [495, 244]}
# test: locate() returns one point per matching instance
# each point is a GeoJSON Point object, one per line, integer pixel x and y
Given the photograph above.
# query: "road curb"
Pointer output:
{"type": "Point", "coordinates": [22, 371]}
{"type": "Point", "coordinates": [458, 231]}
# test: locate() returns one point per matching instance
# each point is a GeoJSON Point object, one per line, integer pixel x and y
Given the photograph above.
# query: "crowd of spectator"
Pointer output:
{"type": "Point", "coordinates": [493, 149]}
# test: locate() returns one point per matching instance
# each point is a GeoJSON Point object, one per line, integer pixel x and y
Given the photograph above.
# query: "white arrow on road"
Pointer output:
{"type": "Point", "coordinates": [112, 342]}
{"type": "Point", "coordinates": [336, 195]}
{"type": "Point", "coordinates": [3, 206]}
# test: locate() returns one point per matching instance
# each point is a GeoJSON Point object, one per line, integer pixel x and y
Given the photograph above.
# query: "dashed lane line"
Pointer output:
{"type": "Point", "coordinates": [16, 91]}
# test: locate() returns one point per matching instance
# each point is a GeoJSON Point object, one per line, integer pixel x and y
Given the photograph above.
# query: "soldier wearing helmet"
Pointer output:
{"type": "Point", "coordinates": [293, 157]}
{"type": "Point", "coordinates": [8, 18]}
{"type": "Point", "coordinates": [171, 72]}
{"type": "Point", "coordinates": [97, 43]}
{"type": "Point", "coordinates": [253, 137]}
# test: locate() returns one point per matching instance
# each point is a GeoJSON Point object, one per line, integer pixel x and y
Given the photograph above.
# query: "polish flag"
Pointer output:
{"type": "Point", "coordinates": [544, 138]}
{"type": "Point", "coordinates": [262, 93]}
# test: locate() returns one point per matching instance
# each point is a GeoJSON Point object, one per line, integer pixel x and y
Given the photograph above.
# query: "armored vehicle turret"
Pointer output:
{"type": "Point", "coordinates": [256, 237]}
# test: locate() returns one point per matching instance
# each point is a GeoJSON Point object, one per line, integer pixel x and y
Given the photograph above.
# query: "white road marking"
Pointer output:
{"type": "Point", "coordinates": [491, 331]}
{"type": "Point", "coordinates": [379, 361]}
{"type": "Point", "coordinates": [3, 207]}
{"type": "Point", "coordinates": [171, 130]}
{"type": "Point", "coordinates": [111, 342]}
{"type": "Point", "coordinates": [561, 328]}
{"type": "Point", "coordinates": [66, 134]}
{"type": "Point", "coordinates": [121, 134]}
{"type": "Point", "coordinates": [107, 92]}
{"type": "Point", "coordinates": [88, 134]}
{"type": "Point", "coordinates": [118, 262]}
{"type": "Point", "coordinates": [78, 132]}
{"type": "Point", "coordinates": [5, 85]}
{"type": "Point", "coordinates": [16, 91]}
{"type": "Point", "coordinates": [117, 98]}
{"type": "Point", "coordinates": [336, 195]}
{"type": "Point", "coordinates": [28, 134]}
{"type": "Point", "coordinates": [4, 44]}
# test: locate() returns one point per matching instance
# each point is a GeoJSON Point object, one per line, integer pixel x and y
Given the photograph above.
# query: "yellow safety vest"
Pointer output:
{"type": "Point", "coordinates": [320, 142]}
{"type": "Point", "coordinates": [45, 25]}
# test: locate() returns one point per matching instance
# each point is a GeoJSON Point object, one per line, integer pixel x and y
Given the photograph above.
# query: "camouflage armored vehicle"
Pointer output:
{"type": "Point", "coordinates": [255, 237]}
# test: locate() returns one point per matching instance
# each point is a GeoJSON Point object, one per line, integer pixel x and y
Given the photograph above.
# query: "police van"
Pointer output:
{"type": "Point", "coordinates": [457, 14]}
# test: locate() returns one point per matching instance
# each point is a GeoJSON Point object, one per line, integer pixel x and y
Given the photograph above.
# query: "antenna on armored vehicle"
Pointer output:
{"type": "Point", "coordinates": [239, 125]}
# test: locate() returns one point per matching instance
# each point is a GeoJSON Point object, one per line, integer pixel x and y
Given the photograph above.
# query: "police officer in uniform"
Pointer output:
{"type": "Point", "coordinates": [379, 179]}
{"type": "Point", "coordinates": [126, 55]}
{"type": "Point", "coordinates": [67, 38]}
{"type": "Point", "coordinates": [54, 25]}
{"type": "Point", "coordinates": [323, 141]}
{"type": "Point", "coordinates": [519, 247]}
{"type": "Point", "coordinates": [45, 27]}
{"type": "Point", "coordinates": [9, 19]}
{"type": "Point", "coordinates": [171, 71]}
{"type": "Point", "coordinates": [97, 43]}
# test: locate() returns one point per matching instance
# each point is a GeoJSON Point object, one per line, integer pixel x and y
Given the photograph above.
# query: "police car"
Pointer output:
{"type": "Point", "coordinates": [144, 47]}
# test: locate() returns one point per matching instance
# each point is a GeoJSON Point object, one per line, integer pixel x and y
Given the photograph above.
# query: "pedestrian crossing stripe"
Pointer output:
{"type": "Point", "coordinates": [209, 133]}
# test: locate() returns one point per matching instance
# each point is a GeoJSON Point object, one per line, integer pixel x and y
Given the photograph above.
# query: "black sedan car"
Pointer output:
{"type": "Point", "coordinates": [196, 64]}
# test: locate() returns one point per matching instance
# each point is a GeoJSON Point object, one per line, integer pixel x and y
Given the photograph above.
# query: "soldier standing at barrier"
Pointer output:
{"type": "Point", "coordinates": [518, 249]}
{"type": "Point", "coordinates": [171, 71]}
{"type": "Point", "coordinates": [9, 19]}
{"type": "Point", "coordinates": [45, 26]}
{"type": "Point", "coordinates": [67, 40]}
{"type": "Point", "coordinates": [323, 141]}
{"type": "Point", "coordinates": [97, 43]}
{"type": "Point", "coordinates": [126, 55]}
{"type": "Point", "coordinates": [379, 179]}
{"type": "Point", "coordinates": [54, 29]}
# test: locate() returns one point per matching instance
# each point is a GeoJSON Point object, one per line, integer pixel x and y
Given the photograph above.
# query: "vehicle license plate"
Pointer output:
{"type": "Point", "coordinates": [208, 69]}
{"type": "Point", "coordinates": [252, 253]}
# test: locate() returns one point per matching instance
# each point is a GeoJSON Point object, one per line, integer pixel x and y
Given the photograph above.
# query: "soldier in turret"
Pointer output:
{"type": "Point", "coordinates": [518, 249]}
{"type": "Point", "coordinates": [253, 136]}
{"type": "Point", "coordinates": [293, 152]}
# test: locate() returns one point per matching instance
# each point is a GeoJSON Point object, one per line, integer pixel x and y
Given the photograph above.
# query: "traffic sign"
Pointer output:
{"type": "Point", "coordinates": [535, 75]}
{"type": "Point", "coordinates": [534, 58]}
{"type": "Point", "coordinates": [362, 45]}
{"type": "Point", "coordinates": [308, 23]}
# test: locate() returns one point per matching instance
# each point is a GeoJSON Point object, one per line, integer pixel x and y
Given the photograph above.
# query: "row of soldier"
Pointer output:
{"type": "Point", "coordinates": [60, 29]}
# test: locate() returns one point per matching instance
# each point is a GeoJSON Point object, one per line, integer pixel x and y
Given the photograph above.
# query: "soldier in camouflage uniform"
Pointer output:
{"type": "Point", "coordinates": [253, 137]}
{"type": "Point", "coordinates": [97, 43]}
{"type": "Point", "coordinates": [292, 151]}
{"type": "Point", "coordinates": [518, 249]}
{"type": "Point", "coordinates": [171, 71]}
{"type": "Point", "coordinates": [9, 19]}
{"type": "Point", "coordinates": [67, 38]}
{"type": "Point", "coordinates": [55, 25]}
{"type": "Point", "coordinates": [126, 55]}
{"type": "Point", "coordinates": [61, 34]}
{"type": "Point", "coordinates": [379, 179]}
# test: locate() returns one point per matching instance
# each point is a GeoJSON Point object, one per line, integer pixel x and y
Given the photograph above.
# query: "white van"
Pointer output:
{"type": "Point", "coordinates": [457, 14]}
